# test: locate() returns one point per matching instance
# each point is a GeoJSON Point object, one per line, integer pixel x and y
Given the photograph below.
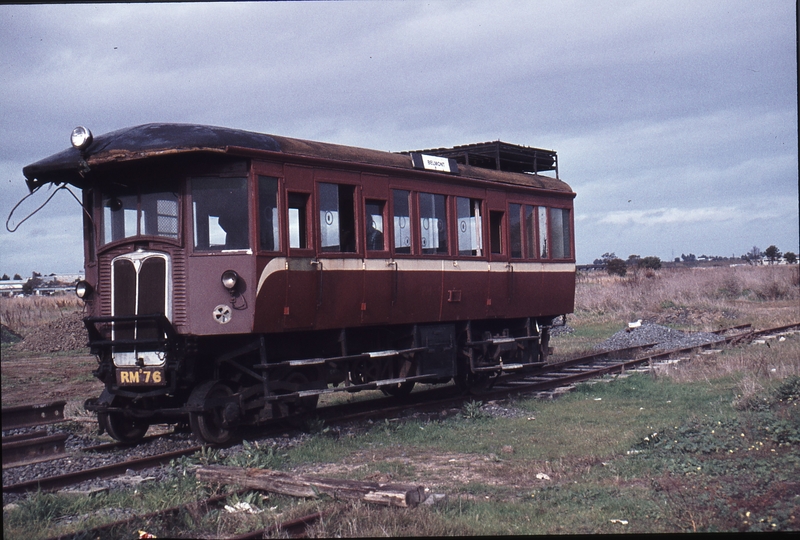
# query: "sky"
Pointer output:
{"type": "Point", "coordinates": [675, 122]}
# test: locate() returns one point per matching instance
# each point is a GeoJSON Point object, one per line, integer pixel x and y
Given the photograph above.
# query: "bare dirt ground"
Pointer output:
{"type": "Point", "coordinates": [48, 362]}
{"type": "Point", "coordinates": [42, 379]}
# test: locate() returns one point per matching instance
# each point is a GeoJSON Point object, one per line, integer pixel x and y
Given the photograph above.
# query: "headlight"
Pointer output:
{"type": "Point", "coordinates": [230, 279]}
{"type": "Point", "coordinates": [81, 137]}
{"type": "Point", "coordinates": [83, 289]}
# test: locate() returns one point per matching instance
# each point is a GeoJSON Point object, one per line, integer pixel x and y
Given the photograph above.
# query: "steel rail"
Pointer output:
{"type": "Point", "coordinates": [295, 528]}
{"type": "Point", "coordinates": [115, 469]}
{"type": "Point", "coordinates": [34, 447]}
{"type": "Point", "coordinates": [21, 416]}
{"type": "Point", "coordinates": [195, 508]}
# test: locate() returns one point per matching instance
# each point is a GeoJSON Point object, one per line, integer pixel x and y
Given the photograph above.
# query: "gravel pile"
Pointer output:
{"type": "Point", "coordinates": [648, 333]}
{"type": "Point", "coordinates": [64, 334]}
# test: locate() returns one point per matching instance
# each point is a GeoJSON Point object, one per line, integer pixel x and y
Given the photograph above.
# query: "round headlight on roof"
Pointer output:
{"type": "Point", "coordinates": [230, 279]}
{"type": "Point", "coordinates": [81, 137]}
{"type": "Point", "coordinates": [83, 289]}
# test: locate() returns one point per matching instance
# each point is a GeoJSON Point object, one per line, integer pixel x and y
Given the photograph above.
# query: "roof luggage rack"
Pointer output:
{"type": "Point", "coordinates": [500, 156]}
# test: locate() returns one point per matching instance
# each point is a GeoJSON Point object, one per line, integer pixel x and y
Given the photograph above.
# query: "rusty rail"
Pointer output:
{"type": "Point", "coordinates": [33, 447]}
{"type": "Point", "coordinates": [21, 416]}
{"type": "Point", "coordinates": [68, 479]}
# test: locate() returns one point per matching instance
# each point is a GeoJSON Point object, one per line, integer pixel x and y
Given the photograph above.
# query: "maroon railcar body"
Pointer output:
{"type": "Point", "coordinates": [232, 277]}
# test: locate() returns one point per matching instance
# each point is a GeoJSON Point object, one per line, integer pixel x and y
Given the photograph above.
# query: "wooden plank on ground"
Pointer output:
{"type": "Point", "coordinates": [297, 485]}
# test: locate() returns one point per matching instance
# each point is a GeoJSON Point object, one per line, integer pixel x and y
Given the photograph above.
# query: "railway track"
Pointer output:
{"type": "Point", "coordinates": [35, 446]}
{"type": "Point", "coordinates": [542, 380]}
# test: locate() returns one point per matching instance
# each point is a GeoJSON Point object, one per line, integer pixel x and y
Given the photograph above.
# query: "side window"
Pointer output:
{"type": "Point", "coordinates": [468, 214]}
{"type": "Point", "coordinates": [374, 225]}
{"type": "Point", "coordinates": [515, 230]}
{"type": "Point", "coordinates": [220, 216]}
{"type": "Point", "coordinates": [544, 252]}
{"type": "Point", "coordinates": [298, 235]}
{"type": "Point", "coordinates": [337, 224]}
{"type": "Point", "coordinates": [560, 233]}
{"type": "Point", "coordinates": [269, 225]}
{"type": "Point", "coordinates": [496, 231]}
{"type": "Point", "coordinates": [433, 223]}
{"type": "Point", "coordinates": [530, 232]}
{"type": "Point", "coordinates": [401, 221]}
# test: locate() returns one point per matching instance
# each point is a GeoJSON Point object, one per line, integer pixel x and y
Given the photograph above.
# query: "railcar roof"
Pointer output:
{"type": "Point", "coordinates": [152, 140]}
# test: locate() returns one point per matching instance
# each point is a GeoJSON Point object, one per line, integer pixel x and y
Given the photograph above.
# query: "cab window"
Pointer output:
{"type": "Point", "coordinates": [130, 214]}
{"type": "Point", "coordinates": [220, 214]}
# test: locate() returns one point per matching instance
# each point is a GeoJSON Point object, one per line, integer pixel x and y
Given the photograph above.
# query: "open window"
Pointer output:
{"type": "Point", "coordinates": [220, 213]}
{"type": "Point", "coordinates": [298, 224]}
{"type": "Point", "coordinates": [496, 232]}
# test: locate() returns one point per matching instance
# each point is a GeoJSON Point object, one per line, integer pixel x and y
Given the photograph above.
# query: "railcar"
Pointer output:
{"type": "Point", "coordinates": [234, 277]}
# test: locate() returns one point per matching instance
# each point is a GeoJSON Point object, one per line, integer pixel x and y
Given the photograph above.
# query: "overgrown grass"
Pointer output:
{"type": "Point", "coordinates": [21, 314]}
{"type": "Point", "coordinates": [691, 299]}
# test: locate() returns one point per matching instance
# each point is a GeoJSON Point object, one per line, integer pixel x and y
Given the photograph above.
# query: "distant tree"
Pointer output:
{"type": "Point", "coordinates": [616, 267]}
{"type": "Point", "coordinates": [604, 258]}
{"type": "Point", "coordinates": [677, 259]}
{"type": "Point", "coordinates": [754, 253]}
{"type": "Point", "coordinates": [773, 254]}
{"type": "Point", "coordinates": [30, 286]}
{"type": "Point", "coordinates": [691, 257]}
{"type": "Point", "coordinates": [790, 257]}
{"type": "Point", "coordinates": [17, 277]}
{"type": "Point", "coordinates": [654, 263]}
{"type": "Point", "coordinates": [5, 277]}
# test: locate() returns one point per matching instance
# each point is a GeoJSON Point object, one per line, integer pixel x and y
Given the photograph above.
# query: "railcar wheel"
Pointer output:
{"type": "Point", "coordinates": [210, 425]}
{"type": "Point", "coordinates": [125, 430]}
{"type": "Point", "coordinates": [398, 390]}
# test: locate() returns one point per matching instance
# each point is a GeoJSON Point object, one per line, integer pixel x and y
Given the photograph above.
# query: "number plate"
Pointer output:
{"type": "Point", "coordinates": [141, 377]}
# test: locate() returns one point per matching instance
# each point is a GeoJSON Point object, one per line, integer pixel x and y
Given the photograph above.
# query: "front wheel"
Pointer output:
{"type": "Point", "coordinates": [124, 429]}
{"type": "Point", "coordinates": [211, 425]}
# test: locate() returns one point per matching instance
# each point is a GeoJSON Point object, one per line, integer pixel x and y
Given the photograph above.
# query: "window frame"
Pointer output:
{"type": "Point", "coordinates": [192, 217]}
{"type": "Point", "coordinates": [367, 220]}
{"type": "Point", "coordinates": [446, 229]}
{"type": "Point", "coordinates": [317, 231]}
